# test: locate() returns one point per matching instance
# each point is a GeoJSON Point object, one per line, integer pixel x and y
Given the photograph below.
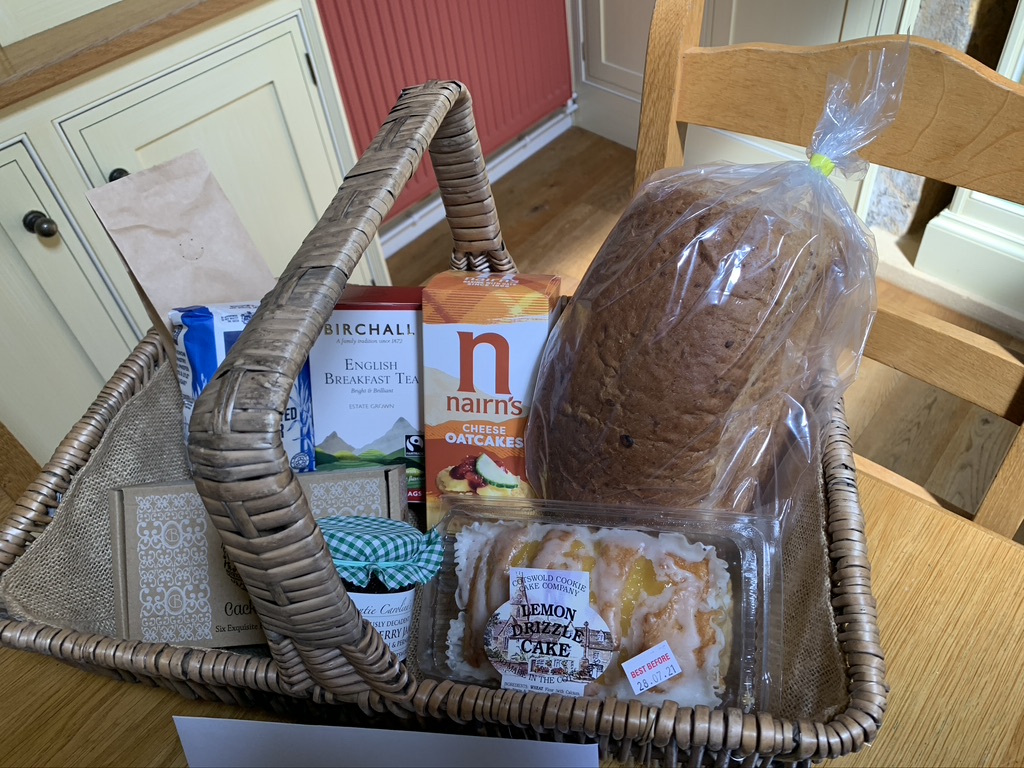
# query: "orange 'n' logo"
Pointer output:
{"type": "Point", "coordinates": [467, 347]}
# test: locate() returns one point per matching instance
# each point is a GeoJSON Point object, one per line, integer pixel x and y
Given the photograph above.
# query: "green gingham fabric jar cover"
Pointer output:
{"type": "Point", "coordinates": [395, 552]}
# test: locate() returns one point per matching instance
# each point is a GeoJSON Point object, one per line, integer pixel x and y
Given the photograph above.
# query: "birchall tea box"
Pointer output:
{"type": "Point", "coordinates": [173, 582]}
{"type": "Point", "coordinates": [203, 336]}
{"type": "Point", "coordinates": [365, 369]}
{"type": "Point", "coordinates": [483, 335]}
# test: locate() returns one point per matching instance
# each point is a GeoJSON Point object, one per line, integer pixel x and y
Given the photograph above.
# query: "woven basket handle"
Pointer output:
{"type": "Point", "coordinates": [240, 468]}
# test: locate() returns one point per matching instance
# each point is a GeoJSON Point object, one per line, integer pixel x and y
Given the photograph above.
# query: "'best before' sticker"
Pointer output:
{"type": "Point", "coordinates": [653, 666]}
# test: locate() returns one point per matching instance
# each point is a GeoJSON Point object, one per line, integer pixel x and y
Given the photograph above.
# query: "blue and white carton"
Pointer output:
{"type": "Point", "coordinates": [203, 335]}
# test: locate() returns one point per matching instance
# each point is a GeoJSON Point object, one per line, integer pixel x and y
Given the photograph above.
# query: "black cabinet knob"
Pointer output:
{"type": "Point", "coordinates": [39, 223]}
{"type": "Point", "coordinates": [117, 173]}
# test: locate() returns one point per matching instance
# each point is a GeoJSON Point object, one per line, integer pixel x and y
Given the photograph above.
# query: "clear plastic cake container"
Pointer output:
{"type": "Point", "coordinates": [557, 597]}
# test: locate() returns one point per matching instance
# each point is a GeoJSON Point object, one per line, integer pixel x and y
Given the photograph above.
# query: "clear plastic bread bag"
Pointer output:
{"type": "Point", "coordinates": [703, 353]}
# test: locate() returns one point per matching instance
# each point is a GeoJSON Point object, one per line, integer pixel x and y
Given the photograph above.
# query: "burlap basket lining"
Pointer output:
{"type": "Point", "coordinates": [66, 578]}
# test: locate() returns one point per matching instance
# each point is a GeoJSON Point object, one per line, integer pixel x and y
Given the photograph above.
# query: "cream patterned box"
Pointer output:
{"type": "Point", "coordinates": [173, 581]}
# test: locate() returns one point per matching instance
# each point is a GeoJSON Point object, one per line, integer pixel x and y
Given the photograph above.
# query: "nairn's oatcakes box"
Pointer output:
{"type": "Point", "coordinates": [483, 335]}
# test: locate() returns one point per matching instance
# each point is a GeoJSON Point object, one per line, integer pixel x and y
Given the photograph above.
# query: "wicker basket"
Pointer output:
{"type": "Point", "coordinates": [321, 651]}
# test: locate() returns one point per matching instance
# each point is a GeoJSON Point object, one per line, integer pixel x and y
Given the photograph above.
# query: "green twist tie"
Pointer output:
{"type": "Point", "coordinates": [823, 164]}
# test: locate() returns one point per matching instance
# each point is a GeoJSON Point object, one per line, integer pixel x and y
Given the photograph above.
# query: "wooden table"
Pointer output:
{"type": "Point", "coordinates": [951, 613]}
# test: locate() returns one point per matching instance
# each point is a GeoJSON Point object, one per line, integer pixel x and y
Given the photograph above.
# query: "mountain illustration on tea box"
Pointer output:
{"type": "Point", "coordinates": [389, 448]}
{"type": "Point", "coordinates": [334, 445]}
{"type": "Point", "coordinates": [392, 440]}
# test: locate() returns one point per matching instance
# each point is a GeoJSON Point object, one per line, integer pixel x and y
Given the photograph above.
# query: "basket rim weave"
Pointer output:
{"type": "Point", "coordinates": [353, 664]}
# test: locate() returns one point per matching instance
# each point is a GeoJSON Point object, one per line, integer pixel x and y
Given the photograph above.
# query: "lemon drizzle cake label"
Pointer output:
{"type": "Point", "coordinates": [547, 637]}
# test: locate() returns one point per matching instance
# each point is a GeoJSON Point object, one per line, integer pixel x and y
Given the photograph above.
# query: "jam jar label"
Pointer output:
{"type": "Point", "coordinates": [391, 615]}
{"type": "Point", "coordinates": [548, 638]}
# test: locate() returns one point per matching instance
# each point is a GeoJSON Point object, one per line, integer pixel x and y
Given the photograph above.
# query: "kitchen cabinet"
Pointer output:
{"type": "Point", "coordinates": [253, 91]}
{"type": "Point", "coordinates": [252, 109]}
{"type": "Point", "coordinates": [59, 340]}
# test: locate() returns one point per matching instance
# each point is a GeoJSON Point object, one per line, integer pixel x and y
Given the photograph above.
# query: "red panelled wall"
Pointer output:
{"type": "Point", "coordinates": [512, 54]}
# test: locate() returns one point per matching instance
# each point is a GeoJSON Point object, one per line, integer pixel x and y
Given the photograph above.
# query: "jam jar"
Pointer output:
{"type": "Point", "coordinates": [381, 562]}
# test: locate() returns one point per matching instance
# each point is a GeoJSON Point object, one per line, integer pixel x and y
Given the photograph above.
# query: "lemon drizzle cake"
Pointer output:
{"type": "Point", "coordinates": [647, 589]}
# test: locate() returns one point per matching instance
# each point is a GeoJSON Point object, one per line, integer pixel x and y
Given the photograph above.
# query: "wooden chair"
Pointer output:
{"type": "Point", "coordinates": [959, 122]}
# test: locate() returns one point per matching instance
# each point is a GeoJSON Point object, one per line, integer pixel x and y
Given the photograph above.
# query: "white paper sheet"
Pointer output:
{"type": "Point", "coordinates": [217, 743]}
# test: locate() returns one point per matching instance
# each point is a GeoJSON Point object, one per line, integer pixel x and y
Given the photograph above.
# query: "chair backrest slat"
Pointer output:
{"type": "Point", "coordinates": [959, 122]}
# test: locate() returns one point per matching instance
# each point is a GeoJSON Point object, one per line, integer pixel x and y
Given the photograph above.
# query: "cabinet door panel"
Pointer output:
{"type": "Point", "coordinates": [58, 342]}
{"type": "Point", "coordinates": [252, 110]}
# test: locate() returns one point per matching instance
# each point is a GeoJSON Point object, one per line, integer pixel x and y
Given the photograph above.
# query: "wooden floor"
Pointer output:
{"type": "Point", "coordinates": [556, 209]}
{"type": "Point", "coordinates": [17, 470]}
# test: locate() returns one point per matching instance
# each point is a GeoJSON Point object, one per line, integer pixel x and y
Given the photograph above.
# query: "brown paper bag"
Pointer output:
{"type": "Point", "coordinates": [180, 239]}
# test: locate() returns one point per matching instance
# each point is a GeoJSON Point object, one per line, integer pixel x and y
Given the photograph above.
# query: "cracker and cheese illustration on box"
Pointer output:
{"type": "Point", "coordinates": [483, 335]}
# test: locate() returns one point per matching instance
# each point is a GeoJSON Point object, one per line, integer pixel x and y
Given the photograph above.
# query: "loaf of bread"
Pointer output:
{"type": "Point", "coordinates": [682, 371]}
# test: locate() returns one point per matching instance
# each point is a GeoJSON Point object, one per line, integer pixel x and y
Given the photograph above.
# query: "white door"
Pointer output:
{"type": "Point", "coordinates": [60, 337]}
{"type": "Point", "coordinates": [253, 111]}
{"type": "Point", "coordinates": [609, 43]}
